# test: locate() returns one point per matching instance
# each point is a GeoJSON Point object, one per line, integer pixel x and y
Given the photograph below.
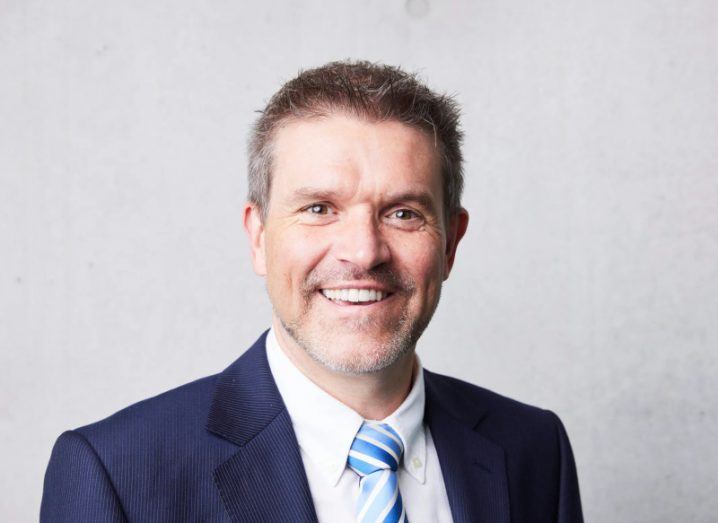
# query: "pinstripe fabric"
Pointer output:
{"type": "Point", "coordinates": [84, 480]}
{"type": "Point", "coordinates": [375, 455]}
{"type": "Point", "coordinates": [151, 462]}
{"type": "Point", "coordinates": [265, 480]}
{"type": "Point", "coordinates": [489, 446]}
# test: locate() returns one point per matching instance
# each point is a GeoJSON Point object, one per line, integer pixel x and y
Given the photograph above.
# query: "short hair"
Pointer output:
{"type": "Point", "coordinates": [363, 89]}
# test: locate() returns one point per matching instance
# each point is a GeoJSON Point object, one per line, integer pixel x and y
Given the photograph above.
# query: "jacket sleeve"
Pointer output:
{"type": "Point", "coordinates": [77, 487]}
{"type": "Point", "coordinates": [569, 503]}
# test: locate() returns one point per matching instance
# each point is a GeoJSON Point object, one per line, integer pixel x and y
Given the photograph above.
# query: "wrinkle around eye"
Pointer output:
{"type": "Point", "coordinates": [413, 221]}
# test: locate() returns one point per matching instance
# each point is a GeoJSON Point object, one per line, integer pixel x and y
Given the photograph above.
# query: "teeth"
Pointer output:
{"type": "Point", "coordinates": [354, 295]}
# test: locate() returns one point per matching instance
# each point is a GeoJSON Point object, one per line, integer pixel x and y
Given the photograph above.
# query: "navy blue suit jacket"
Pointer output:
{"type": "Point", "coordinates": [223, 449]}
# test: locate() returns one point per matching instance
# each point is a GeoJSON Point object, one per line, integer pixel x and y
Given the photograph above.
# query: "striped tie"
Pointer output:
{"type": "Point", "coordinates": [375, 455]}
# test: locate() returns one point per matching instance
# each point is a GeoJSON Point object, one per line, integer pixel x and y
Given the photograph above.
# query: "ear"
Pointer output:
{"type": "Point", "coordinates": [255, 232]}
{"type": "Point", "coordinates": [455, 230]}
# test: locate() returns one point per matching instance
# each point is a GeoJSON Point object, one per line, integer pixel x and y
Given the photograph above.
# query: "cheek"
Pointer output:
{"type": "Point", "coordinates": [425, 263]}
{"type": "Point", "coordinates": [290, 257]}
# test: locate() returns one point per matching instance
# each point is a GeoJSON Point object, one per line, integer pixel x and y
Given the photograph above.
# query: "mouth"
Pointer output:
{"type": "Point", "coordinates": [355, 296]}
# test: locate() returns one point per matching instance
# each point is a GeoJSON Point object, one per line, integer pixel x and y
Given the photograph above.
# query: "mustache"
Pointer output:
{"type": "Point", "coordinates": [382, 275]}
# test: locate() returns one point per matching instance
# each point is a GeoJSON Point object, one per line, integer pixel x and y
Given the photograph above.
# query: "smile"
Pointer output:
{"type": "Point", "coordinates": [355, 295]}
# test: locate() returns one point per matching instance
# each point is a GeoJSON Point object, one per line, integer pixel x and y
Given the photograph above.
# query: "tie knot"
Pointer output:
{"type": "Point", "coordinates": [376, 446]}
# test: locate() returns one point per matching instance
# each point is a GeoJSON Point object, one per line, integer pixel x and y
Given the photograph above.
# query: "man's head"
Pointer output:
{"type": "Point", "coordinates": [354, 211]}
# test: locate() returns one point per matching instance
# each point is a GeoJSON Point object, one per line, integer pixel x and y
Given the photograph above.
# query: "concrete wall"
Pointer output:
{"type": "Point", "coordinates": [587, 283]}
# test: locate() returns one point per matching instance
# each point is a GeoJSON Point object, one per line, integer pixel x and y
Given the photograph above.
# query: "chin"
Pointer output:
{"type": "Point", "coordinates": [357, 362]}
{"type": "Point", "coordinates": [354, 353]}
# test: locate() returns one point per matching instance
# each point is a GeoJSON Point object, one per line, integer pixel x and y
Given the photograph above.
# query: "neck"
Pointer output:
{"type": "Point", "coordinates": [373, 395]}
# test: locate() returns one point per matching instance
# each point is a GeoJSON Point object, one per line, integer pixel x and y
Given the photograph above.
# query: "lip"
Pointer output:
{"type": "Point", "coordinates": [348, 305]}
{"type": "Point", "coordinates": [370, 286]}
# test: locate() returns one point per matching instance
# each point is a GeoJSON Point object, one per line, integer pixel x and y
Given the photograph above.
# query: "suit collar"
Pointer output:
{"type": "Point", "coordinates": [265, 479]}
{"type": "Point", "coordinates": [473, 467]}
{"type": "Point", "coordinates": [246, 398]}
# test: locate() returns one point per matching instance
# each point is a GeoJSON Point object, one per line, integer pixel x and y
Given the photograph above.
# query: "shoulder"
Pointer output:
{"type": "Point", "coordinates": [159, 437]}
{"type": "Point", "coordinates": [500, 418]}
{"type": "Point", "coordinates": [181, 409]}
{"type": "Point", "coordinates": [466, 395]}
{"type": "Point", "coordinates": [538, 458]}
{"type": "Point", "coordinates": [159, 442]}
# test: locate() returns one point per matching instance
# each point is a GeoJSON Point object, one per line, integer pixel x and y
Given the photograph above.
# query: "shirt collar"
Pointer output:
{"type": "Point", "coordinates": [408, 421]}
{"type": "Point", "coordinates": [325, 427]}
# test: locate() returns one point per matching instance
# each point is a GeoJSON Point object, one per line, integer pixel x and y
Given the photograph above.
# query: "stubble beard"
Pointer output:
{"type": "Point", "coordinates": [322, 339]}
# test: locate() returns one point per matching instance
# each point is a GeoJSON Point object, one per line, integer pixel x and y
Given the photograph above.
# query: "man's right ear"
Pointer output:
{"type": "Point", "coordinates": [255, 232]}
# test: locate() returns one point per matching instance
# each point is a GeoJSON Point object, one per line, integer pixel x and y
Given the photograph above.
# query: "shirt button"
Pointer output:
{"type": "Point", "coordinates": [416, 462]}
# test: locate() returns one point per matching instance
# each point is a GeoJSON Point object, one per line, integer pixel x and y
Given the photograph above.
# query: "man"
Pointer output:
{"type": "Point", "coordinates": [354, 218]}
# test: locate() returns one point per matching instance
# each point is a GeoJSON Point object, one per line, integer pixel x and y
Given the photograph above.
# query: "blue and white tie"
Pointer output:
{"type": "Point", "coordinates": [375, 455]}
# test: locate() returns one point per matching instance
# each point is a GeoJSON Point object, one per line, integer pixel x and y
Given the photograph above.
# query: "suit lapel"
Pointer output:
{"type": "Point", "coordinates": [265, 479]}
{"type": "Point", "coordinates": [473, 468]}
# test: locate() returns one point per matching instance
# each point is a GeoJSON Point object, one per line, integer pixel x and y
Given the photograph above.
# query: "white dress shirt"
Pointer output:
{"type": "Point", "coordinates": [325, 429]}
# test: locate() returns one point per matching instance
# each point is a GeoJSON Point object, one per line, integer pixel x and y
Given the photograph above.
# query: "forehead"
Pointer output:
{"type": "Point", "coordinates": [342, 149]}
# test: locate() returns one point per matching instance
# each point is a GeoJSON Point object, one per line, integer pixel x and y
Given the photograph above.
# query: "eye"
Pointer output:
{"type": "Point", "coordinates": [317, 209]}
{"type": "Point", "coordinates": [404, 214]}
{"type": "Point", "coordinates": [317, 213]}
{"type": "Point", "coordinates": [406, 219]}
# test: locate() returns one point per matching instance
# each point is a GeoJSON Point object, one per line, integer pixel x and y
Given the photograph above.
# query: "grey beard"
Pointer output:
{"type": "Point", "coordinates": [405, 336]}
{"type": "Point", "coordinates": [400, 344]}
{"type": "Point", "coordinates": [406, 332]}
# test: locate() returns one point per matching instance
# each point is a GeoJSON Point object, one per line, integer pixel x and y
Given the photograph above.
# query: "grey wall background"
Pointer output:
{"type": "Point", "coordinates": [587, 283]}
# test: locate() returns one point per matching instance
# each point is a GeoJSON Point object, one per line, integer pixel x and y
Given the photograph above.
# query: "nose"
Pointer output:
{"type": "Point", "coordinates": [361, 242]}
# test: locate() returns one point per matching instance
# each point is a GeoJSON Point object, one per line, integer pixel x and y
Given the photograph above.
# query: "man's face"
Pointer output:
{"type": "Point", "coordinates": [354, 246]}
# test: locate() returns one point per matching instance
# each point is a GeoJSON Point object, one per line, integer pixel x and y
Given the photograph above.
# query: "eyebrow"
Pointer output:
{"type": "Point", "coordinates": [314, 193]}
{"type": "Point", "coordinates": [421, 198]}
